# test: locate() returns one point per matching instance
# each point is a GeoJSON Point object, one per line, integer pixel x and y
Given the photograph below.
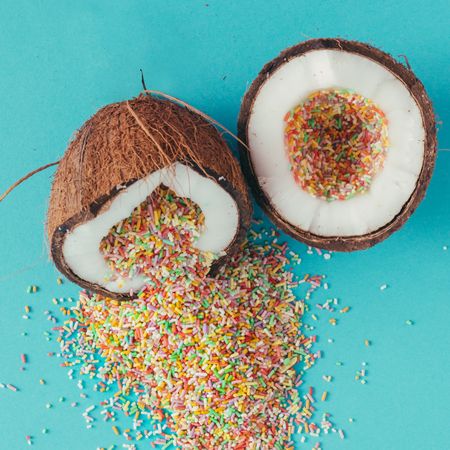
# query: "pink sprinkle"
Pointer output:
{"type": "Point", "coordinates": [11, 387]}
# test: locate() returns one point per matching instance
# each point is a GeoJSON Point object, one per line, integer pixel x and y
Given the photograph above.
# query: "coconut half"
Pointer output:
{"type": "Point", "coordinates": [373, 195]}
{"type": "Point", "coordinates": [116, 160]}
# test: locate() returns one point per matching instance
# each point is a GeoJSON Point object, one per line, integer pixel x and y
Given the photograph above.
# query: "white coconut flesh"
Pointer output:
{"type": "Point", "coordinates": [81, 247]}
{"type": "Point", "coordinates": [391, 187]}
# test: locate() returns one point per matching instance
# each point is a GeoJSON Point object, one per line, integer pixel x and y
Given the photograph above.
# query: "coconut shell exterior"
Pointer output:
{"type": "Point", "coordinates": [112, 150]}
{"type": "Point", "coordinates": [417, 90]}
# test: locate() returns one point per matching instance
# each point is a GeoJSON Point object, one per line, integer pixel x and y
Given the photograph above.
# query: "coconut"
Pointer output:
{"type": "Point", "coordinates": [114, 163]}
{"type": "Point", "coordinates": [339, 143]}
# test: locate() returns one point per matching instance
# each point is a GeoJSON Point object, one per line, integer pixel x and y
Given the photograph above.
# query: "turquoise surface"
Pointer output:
{"type": "Point", "coordinates": [61, 61]}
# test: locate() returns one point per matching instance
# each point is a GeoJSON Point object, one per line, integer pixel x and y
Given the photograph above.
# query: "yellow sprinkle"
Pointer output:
{"type": "Point", "coordinates": [333, 321]}
{"type": "Point", "coordinates": [116, 430]}
{"type": "Point", "coordinates": [59, 280]}
{"type": "Point", "coordinates": [324, 395]}
{"type": "Point", "coordinates": [367, 342]}
{"type": "Point", "coordinates": [27, 309]}
{"type": "Point", "coordinates": [346, 309]}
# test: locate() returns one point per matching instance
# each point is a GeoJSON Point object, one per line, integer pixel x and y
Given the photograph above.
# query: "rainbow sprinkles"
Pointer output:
{"type": "Point", "coordinates": [211, 359]}
{"type": "Point", "coordinates": [336, 142]}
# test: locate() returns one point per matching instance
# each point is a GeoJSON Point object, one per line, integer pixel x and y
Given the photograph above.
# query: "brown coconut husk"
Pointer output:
{"type": "Point", "coordinates": [124, 142]}
{"type": "Point", "coordinates": [339, 243]}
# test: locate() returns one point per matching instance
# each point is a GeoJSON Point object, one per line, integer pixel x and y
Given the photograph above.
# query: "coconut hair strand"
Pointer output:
{"type": "Point", "coordinates": [25, 177]}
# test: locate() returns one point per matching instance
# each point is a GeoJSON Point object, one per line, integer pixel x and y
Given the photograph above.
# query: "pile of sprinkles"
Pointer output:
{"type": "Point", "coordinates": [211, 362]}
{"type": "Point", "coordinates": [336, 141]}
{"type": "Point", "coordinates": [214, 360]}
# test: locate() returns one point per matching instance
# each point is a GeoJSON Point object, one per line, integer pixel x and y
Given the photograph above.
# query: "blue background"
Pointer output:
{"type": "Point", "coordinates": [60, 61]}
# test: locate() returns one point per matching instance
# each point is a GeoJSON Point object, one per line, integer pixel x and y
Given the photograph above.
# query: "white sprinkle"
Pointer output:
{"type": "Point", "coordinates": [383, 287]}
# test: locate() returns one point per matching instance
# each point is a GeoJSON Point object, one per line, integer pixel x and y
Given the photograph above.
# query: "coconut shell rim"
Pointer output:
{"type": "Point", "coordinates": [417, 90]}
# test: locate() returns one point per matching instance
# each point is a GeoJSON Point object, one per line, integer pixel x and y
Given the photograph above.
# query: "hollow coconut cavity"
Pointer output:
{"type": "Point", "coordinates": [340, 143]}
{"type": "Point", "coordinates": [122, 158]}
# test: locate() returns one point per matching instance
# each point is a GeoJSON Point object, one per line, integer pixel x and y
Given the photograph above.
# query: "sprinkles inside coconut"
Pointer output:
{"type": "Point", "coordinates": [160, 234]}
{"type": "Point", "coordinates": [336, 143]}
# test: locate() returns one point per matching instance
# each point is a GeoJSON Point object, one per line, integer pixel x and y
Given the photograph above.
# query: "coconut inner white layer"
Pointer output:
{"type": "Point", "coordinates": [391, 187]}
{"type": "Point", "coordinates": [81, 246]}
